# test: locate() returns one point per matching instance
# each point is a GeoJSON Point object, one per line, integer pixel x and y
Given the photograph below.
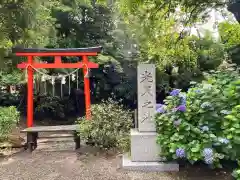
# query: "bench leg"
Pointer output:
{"type": "Point", "coordinates": [76, 140]}
{"type": "Point", "coordinates": [30, 141]}
{"type": "Point", "coordinates": [35, 137]}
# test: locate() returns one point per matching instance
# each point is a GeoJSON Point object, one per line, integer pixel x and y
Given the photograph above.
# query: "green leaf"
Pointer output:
{"type": "Point", "coordinates": [229, 136]}
{"type": "Point", "coordinates": [218, 165]}
{"type": "Point", "coordinates": [231, 117]}
{"type": "Point", "coordinates": [194, 149]}
{"type": "Point", "coordinates": [236, 139]}
{"type": "Point", "coordinates": [172, 150]}
{"type": "Point", "coordinates": [212, 136]}
{"type": "Point", "coordinates": [226, 123]}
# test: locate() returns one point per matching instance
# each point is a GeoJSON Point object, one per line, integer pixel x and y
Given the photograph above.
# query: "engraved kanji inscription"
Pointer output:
{"type": "Point", "coordinates": [146, 77]}
{"type": "Point", "coordinates": [146, 117]}
{"type": "Point", "coordinates": [148, 90]}
{"type": "Point", "coordinates": [147, 104]}
{"type": "Point", "coordinates": [146, 97]}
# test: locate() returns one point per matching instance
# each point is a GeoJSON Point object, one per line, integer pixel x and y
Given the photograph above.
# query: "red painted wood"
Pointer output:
{"type": "Point", "coordinates": [87, 90]}
{"type": "Point", "coordinates": [57, 54]}
{"type": "Point", "coordinates": [30, 94]}
{"type": "Point", "coordinates": [58, 65]}
{"type": "Point", "coordinates": [57, 60]}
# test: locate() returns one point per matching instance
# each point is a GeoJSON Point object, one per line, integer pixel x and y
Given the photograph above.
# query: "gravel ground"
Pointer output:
{"type": "Point", "coordinates": [58, 161]}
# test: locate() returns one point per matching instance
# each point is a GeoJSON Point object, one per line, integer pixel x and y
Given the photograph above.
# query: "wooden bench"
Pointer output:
{"type": "Point", "coordinates": [32, 134]}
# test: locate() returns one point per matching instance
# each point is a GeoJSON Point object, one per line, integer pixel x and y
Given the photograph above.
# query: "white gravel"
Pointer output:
{"type": "Point", "coordinates": [58, 161]}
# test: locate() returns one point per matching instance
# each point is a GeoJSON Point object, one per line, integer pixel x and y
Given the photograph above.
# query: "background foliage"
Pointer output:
{"type": "Point", "coordinates": [153, 33]}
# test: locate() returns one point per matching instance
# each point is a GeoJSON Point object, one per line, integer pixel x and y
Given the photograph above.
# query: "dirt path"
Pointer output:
{"type": "Point", "coordinates": [58, 161]}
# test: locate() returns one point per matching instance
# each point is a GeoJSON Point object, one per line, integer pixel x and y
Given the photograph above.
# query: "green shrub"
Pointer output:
{"type": "Point", "coordinates": [8, 99]}
{"type": "Point", "coordinates": [54, 107]}
{"type": "Point", "coordinates": [236, 173]}
{"type": "Point", "coordinates": [109, 127]}
{"type": "Point", "coordinates": [9, 116]}
{"type": "Point", "coordinates": [202, 124]}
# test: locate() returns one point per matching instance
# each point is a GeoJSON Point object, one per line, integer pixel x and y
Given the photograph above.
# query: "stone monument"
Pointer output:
{"type": "Point", "coordinates": [145, 152]}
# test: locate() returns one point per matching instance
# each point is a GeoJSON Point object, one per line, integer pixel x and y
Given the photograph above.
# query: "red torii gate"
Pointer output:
{"type": "Point", "coordinates": [57, 54]}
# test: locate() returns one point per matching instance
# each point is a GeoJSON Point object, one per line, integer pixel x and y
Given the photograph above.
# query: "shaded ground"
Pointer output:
{"type": "Point", "coordinates": [58, 161]}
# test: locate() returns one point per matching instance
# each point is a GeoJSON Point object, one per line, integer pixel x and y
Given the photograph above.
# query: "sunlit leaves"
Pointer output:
{"type": "Point", "coordinates": [230, 33]}
{"type": "Point", "coordinates": [161, 29]}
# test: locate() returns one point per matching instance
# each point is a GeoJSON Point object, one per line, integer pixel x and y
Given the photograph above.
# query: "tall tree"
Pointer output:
{"type": "Point", "coordinates": [162, 31]}
{"type": "Point", "coordinates": [230, 37]}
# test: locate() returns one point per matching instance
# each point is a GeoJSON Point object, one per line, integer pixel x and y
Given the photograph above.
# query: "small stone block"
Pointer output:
{"type": "Point", "coordinates": [127, 164]}
{"type": "Point", "coordinates": [144, 147]}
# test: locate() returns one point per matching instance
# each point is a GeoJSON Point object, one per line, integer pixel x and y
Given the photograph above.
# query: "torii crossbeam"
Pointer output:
{"type": "Point", "coordinates": [30, 53]}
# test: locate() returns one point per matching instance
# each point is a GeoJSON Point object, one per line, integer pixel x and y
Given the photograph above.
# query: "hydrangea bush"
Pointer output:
{"type": "Point", "coordinates": [203, 123]}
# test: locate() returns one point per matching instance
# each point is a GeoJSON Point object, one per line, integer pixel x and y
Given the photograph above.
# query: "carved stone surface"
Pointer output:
{"type": "Point", "coordinates": [145, 152]}
{"type": "Point", "coordinates": [146, 97]}
{"type": "Point", "coordinates": [144, 147]}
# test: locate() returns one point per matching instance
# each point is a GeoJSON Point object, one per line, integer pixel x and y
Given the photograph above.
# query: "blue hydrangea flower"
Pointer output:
{"type": "Point", "coordinates": [223, 140]}
{"type": "Point", "coordinates": [158, 106]}
{"type": "Point", "coordinates": [208, 160]}
{"type": "Point", "coordinates": [183, 98]}
{"type": "Point", "coordinates": [182, 95]}
{"type": "Point", "coordinates": [206, 105]}
{"type": "Point", "coordinates": [181, 108]}
{"type": "Point", "coordinates": [162, 109]}
{"type": "Point", "coordinates": [198, 91]}
{"type": "Point", "coordinates": [177, 123]}
{"type": "Point", "coordinates": [207, 152]}
{"type": "Point", "coordinates": [226, 112]}
{"type": "Point", "coordinates": [180, 153]}
{"type": "Point", "coordinates": [208, 155]}
{"type": "Point", "coordinates": [183, 101]}
{"type": "Point", "coordinates": [205, 128]}
{"type": "Point", "coordinates": [175, 92]}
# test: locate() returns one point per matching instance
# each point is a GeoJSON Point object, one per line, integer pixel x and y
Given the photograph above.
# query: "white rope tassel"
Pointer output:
{"type": "Point", "coordinates": [63, 81]}
{"type": "Point", "coordinates": [34, 83]}
{"type": "Point", "coordinates": [48, 76]}
{"type": "Point", "coordinates": [73, 77]}
{"type": "Point", "coordinates": [61, 90]}
{"type": "Point", "coordinates": [53, 85]}
{"type": "Point", "coordinates": [43, 78]}
{"type": "Point", "coordinates": [26, 74]}
{"type": "Point", "coordinates": [45, 87]}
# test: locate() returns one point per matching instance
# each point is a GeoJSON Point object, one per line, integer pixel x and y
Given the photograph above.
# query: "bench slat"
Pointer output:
{"type": "Point", "coordinates": [51, 128]}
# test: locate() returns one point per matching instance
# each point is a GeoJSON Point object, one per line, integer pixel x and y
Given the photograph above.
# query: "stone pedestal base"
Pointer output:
{"type": "Point", "coordinates": [145, 154]}
{"type": "Point", "coordinates": [127, 164]}
{"type": "Point", "coordinates": [144, 147]}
